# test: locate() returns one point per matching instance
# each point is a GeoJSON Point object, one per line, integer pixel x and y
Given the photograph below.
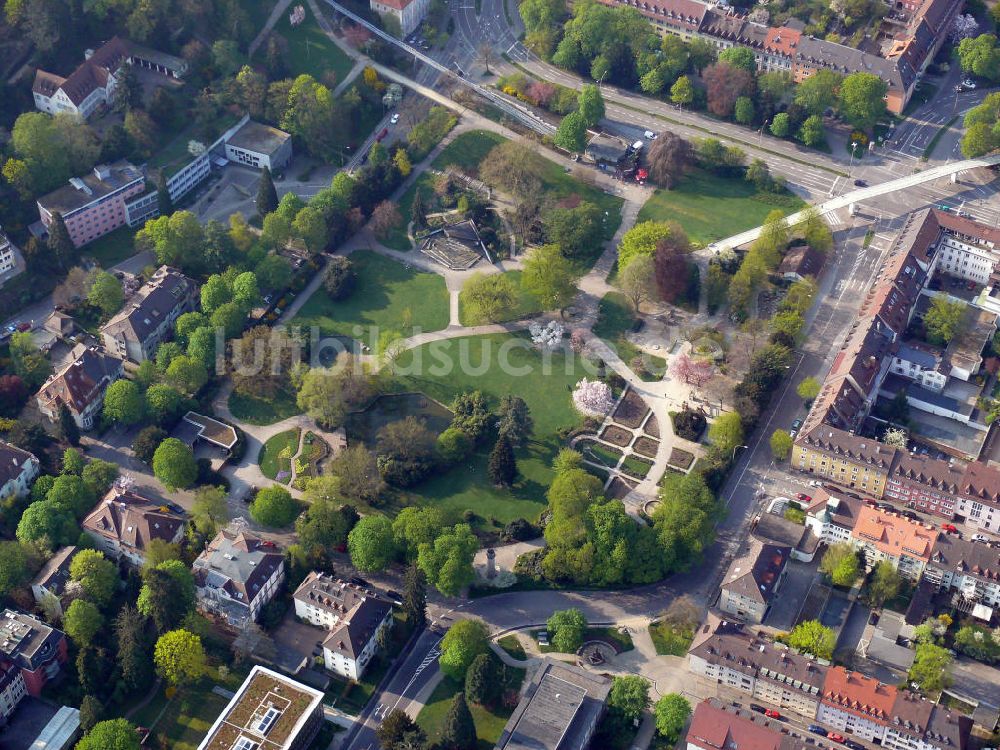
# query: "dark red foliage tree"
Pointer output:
{"type": "Point", "coordinates": [725, 84]}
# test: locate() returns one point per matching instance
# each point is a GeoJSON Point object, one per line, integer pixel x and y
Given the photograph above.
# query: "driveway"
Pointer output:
{"type": "Point", "coordinates": [799, 576]}
{"type": "Point", "coordinates": [295, 643]}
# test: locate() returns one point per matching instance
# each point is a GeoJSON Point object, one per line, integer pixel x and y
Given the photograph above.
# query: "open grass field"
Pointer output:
{"type": "Point", "coordinates": [497, 364]}
{"type": "Point", "coordinates": [261, 411]}
{"type": "Point", "coordinates": [614, 319]}
{"type": "Point", "coordinates": [468, 149]}
{"type": "Point", "coordinates": [309, 50]}
{"type": "Point", "coordinates": [271, 460]}
{"type": "Point", "coordinates": [709, 207]}
{"type": "Point", "coordinates": [670, 640]}
{"type": "Point", "coordinates": [113, 247]}
{"type": "Point", "coordinates": [388, 296]}
{"type": "Point", "coordinates": [489, 724]}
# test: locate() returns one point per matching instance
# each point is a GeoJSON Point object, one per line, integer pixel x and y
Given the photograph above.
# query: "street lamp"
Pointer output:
{"type": "Point", "coordinates": [760, 133]}
{"type": "Point", "coordinates": [854, 147]}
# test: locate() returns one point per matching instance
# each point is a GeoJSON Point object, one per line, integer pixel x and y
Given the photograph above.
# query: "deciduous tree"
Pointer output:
{"type": "Point", "coordinates": [179, 657]}
{"type": "Point", "coordinates": [463, 642]}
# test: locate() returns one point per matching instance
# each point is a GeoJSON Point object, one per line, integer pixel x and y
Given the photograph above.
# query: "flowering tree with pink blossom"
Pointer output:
{"type": "Point", "coordinates": [694, 372]}
{"type": "Point", "coordinates": [593, 398]}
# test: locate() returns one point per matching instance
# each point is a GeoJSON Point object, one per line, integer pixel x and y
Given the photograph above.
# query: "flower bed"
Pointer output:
{"type": "Point", "coordinates": [616, 435]}
{"type": "Point", "coordinates": [652, 427]}
{"type": "Point", "coordinates": [647, 447]}
{"type": "Point", "coordinates": [619, 488]}
{"type": "Point", "coordinates": [681, 458]}
{"type": "Point", "coordinates": [631, 411]}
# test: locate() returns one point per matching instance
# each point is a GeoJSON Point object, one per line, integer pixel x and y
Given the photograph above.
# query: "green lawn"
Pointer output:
{"type": "Point", "coordinates": [271, 460]}
{"type": "Point", "coordinates": [489, 724]}
{"type": "Point", "coordinates": [398, 239]}
{"type": "Point", "coordinates": [387, 295]}
{"type": "Point", "coordinates": [512, 645]}
{"type": "Point", "coordinates": [113, 247]}
{"type": "Point", "coordinates": [637, 467]}
{"type": "Point", "coordinates": [709, 207]}
{"type": "Point", "coordinates": [670, 640]}
{"type": "Point", "coordinates": [263, 411]}
{"type": "Point", "coordinates": [468, 149]}
{"type": "Point", "coordinates": [444, 369]}
{"type": "Point", "coordinates": [614, 320]}
{"type": "Point", "coordinates": [525, 305]}
{"type": "Point", "coordinates": [602, 454]}
{"type": "Point", "coordinates": [309, 49]}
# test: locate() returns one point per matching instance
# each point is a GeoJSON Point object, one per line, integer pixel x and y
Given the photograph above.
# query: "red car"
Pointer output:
{"type": "Point", "coordinates": [870, 501]}
{"type": "Point", "coordinates": [950, 528]}
{"type": "Point", "coordinates": [803, 498]}
{"type": "Point", "coordinates": [835, 737]}
{"type": "Point", "coordinates": [383, 134]}
{"type": "Point", "coordinates": [772, 714]}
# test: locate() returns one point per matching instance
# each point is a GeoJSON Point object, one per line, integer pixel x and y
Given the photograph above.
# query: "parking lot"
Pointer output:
{"type": "Point", "coordinates": [799, 577]}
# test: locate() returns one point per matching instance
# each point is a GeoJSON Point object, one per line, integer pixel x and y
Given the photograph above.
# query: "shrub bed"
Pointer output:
{"type": "Point", "coordinates": [647, 447]}
{"type": "Point", "coordinates": [631, 411]}
{"type": "Point", "coordinates": [652, 427]}
{"type": "Point", "coordinates": [681, 458]}
{"type": "Point", "coordinates": [689, 424]}
{"type": "Point", "coordinates": [616, 435]}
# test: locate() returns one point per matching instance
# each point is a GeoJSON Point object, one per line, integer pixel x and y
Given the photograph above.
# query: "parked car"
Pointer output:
{"type": "Point", "coordinates": [854, 745]}
{"type": "Point", "coordinates": [980, 538]}
{"type": "Point", "coordinates": [803, 497]}
{"type": "Point", "coordinates": [950, 528]}
{"type": "Point", "coordinates": [772, 714]}
{"type": "Point", "coordinates": [360, 582]}
{"type": "Point", "coordinates": [758, 708]}
{"type": "Point", "coordinates": [860, 183]}
{"type": "Point", "coordinates": [395, 597]}
{"type": "Point", "coordinates": [650, 135]}
{"type": "Point", "coordinates": [968, 83]}
{"type": "Point", "coordinates": [796, 424]}
{"type": "Point", "coordinates": [835, 736]}
{"type": "Point", "coordinates": [383, 134]}
{"type": "Point", "coordinates": [395, 118]}
{"type": "Point", "coordinates": [817, 729]}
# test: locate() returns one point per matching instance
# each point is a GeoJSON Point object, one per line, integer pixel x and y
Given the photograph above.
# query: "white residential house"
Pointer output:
{"type": "Point", "coordinates": [18, 469]}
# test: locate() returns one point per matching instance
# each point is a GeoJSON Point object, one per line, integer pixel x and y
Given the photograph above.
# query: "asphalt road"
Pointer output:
{"type": "Point", "coordinates": [417, 668]}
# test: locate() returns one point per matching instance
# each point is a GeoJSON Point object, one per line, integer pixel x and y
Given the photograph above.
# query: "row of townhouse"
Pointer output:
{"type": "Point", "coordinates": [932, 245]}
{"type": "Point", "coordinates": [920, 552]}
{"type": "Point", "coordinates": [845, 701]}
{"type": "Point", "coordinates": [146, 320]}
{"type": "Point", "coordinates": [915, 35]}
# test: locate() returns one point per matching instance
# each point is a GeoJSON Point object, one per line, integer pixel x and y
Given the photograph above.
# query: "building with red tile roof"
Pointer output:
{"type": "Point", "coordinates": [887, 536]}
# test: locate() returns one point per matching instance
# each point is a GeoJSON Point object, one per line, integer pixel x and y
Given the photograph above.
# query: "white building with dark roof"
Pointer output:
{"type": "Point", "coordinates": [80, 385]}
{"type": "Point", "coordinates": [353, 616]}
{"type": "Point", "coordinates": [236, 576]}
{"type": "Point", "coordinates": [753, 580]}
{"type": "Point", "coordinates": [148, 317]}
{"type": "Point", "coordinates": [50, 583]}
{"type": "Point", "coordinates": [18, 469]}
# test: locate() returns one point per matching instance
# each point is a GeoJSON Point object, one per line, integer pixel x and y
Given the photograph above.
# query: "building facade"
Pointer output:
{"type": "Point", "coordinates": [124, 523]}
{"type": "Point", "coordinates": [18, 469]}
{"type": "Point", "coordinates": [236, 576]}
{"type": "Point", "coordinates": [149, 316]}
{"type": "Point", "coordinates": [258, 146]}
{"type": "Point", "coordinates": [753, 579]}
{"type": "Point", "coordinates": [408, 13]}
{"type": "Point", "coordinates": [94, 205]}
{"type": "Point", "coordinates": [80, 386]}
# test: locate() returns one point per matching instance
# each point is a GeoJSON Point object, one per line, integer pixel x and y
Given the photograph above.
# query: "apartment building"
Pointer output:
{"type": "Point", "coordinates": [94, 204]}
{"type": "Point", "coordinates": [970, 569]}
{"type": "Point", "coordinates": [37, 649]}
{"type": "Point", "coordinates": [753, 580]}
{"type": "Point", "coordinates": [407, 13]}
{"type": "Point", "coordinates": [717, 726]}
{"type": "Point", "coordinates": [730, 654]}
{"type": "Point", "coordinates": [236, 576]}
{"type": "Point", "coordinates": [268, 712]}
{"type": "Point", "coordinates": [916, 35]}
{"type": "Point", "coordinates": [12, 689]}
{"type": "Point", "coordinates": [124, 523]}
{"type": "Point", "coordinates": [148, 317]}
{"type": "Point", "coordinates": [884, 536]}
{"type": "Point", "coordinates": [832, 517]}
{"type": "Point", "coordinates": [353, 617]}
{"type": "Point", "coordinates": [10, 262]}
{"type": "Point", "coordinates": [80, 386]}
{"type": "Point", "coordinates": [92, 85]}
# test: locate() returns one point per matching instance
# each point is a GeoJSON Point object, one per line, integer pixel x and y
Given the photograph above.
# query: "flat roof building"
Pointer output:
{"type": "Point", "coordinates": [559, 710]}
{"type": "Point", "coordinates": [268, 712]}
{"type": "Point", "coordinates": [257, 145]}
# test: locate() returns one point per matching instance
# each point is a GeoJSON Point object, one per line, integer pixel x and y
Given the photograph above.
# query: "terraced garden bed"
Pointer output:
{"type": "Point", "coordinates": [599, 453]}
{"type": "Point", "coordinates": [681, 458]}
{"type": "Point", "coordinates": [645, 446]}
{"type": "Point", "coordinates": [616, 435]}
{"type": "Point", "coordinates": [619, 488]}
{"type": "Point", "coordinates": [652, 427]}
{"type": "Point", "coordinates": [631, 411]}
{"type": "Point", "coordinates": [636, 467]}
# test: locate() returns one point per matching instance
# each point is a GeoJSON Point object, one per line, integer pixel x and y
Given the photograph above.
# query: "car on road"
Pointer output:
{"type": "Point", "coordinates": [860, 183]}
{"type": "Point", "coordinates": [950, 528]}
{"type": "Point", "coordinates": [817, 729]}
{"type": "Point", "coordinates": [835, 736]}
{"type": "Point", "coordinates": [383, 134]}
{"type": "Point", "coordinates": [395, 118]}
{"type": "Point", "coordinates": [803, 497]}
{"type": "Point", "coordinates": [772, 714]}
{"type": "Point", "coordinates": [650, 135]}
{"type": "Point", "coordinates": [968, 83]}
